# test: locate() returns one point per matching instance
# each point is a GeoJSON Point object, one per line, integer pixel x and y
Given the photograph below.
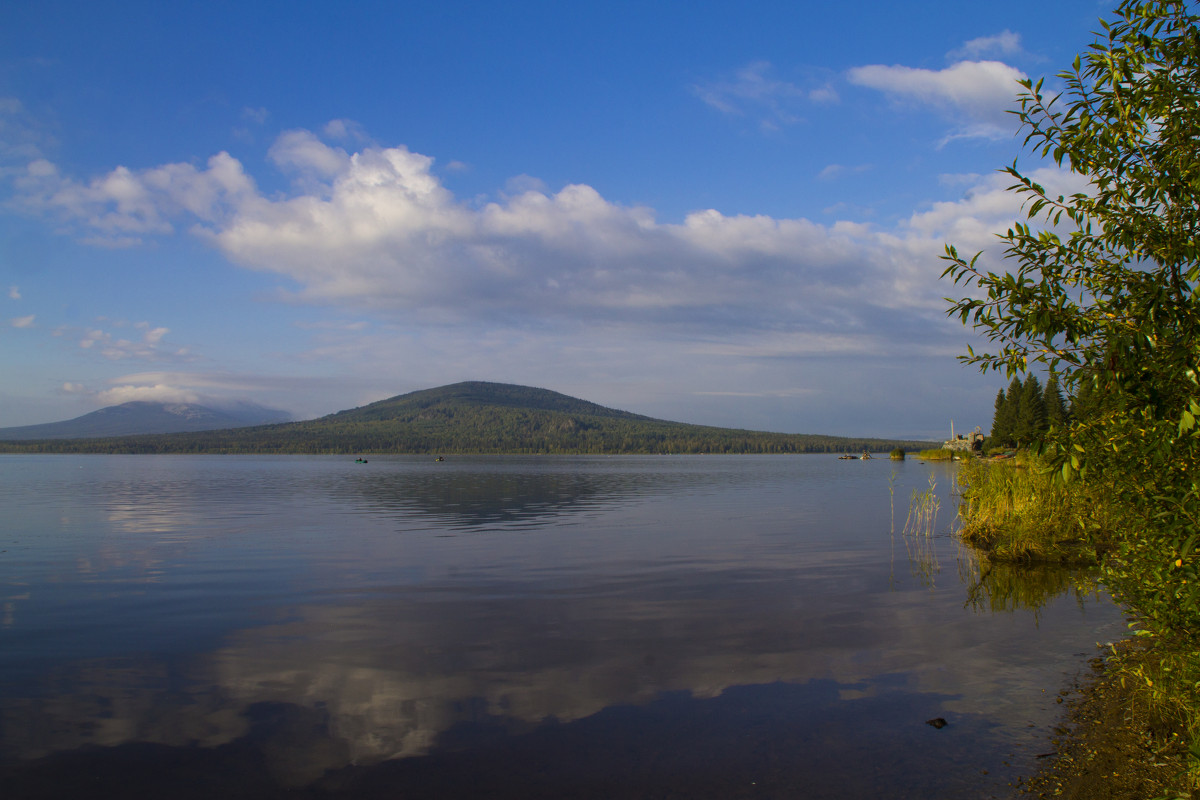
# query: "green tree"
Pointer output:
{"type": "Point", "coordinates": [1087, 401]}
{"type": "Point", "coordinates": [1031, 413]}
{"type": "Point", "coordinates": [1053, 402]}
{"type": "Point", "coordinates": [1102, 287]}
{"type": "Point", "coordinates": [997, 421]}
{"type": "Point", "coordinates": [1006, 422]}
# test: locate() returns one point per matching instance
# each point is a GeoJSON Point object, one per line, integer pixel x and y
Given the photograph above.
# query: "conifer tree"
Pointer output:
{"type": "Point", "coordinates": [1031, 413]}
{"type": "Point", "coordinates": [998, 421]}
{"type": "Point", "coordinates": [1052, 400]}
{"type": "Point", "coordinates": [1005, 425]}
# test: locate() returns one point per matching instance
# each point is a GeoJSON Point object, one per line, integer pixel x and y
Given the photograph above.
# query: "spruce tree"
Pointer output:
{"type": "Point", "coordinates": [1031, 415]}
{"type": "Point", "coordinates": [1052, 400]}
{"type": "Point", "coordinates": [1086, 401]}
{"type": "Point", "coordinates": [995, 438]}
{"type": "Point", "coordinates": [1004, 427]}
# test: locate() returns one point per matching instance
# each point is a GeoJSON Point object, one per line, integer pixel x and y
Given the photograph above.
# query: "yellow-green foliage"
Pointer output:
{"type": "Point", "coordinates": [1165, 677]}
{"type": "Point", "coordinates": [941, 454]}
{"type": "Point", "coordinates": [1015, 510]}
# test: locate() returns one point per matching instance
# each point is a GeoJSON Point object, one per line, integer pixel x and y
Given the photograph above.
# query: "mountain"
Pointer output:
{"type": "Point", "coordinates": [474, 417]}
{"type": "Point", "coordinates": [140, 417]}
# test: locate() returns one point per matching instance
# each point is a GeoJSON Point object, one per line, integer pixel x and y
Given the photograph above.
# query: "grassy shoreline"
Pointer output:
{"type": "Point", "coordinates": [1111, 744]}
{"type": "Point", "coordinates": [1135, 728]}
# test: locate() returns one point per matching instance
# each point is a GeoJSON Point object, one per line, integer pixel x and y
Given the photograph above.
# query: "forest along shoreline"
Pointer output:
{"type": "Point", "coordinates": [1130, 720]}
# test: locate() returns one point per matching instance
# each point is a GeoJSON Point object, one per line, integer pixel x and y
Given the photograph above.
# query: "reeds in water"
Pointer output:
{"type": "Point", "coordinates": [1019, 511]}
{"type": "Point", "coordinates": [918, 533]}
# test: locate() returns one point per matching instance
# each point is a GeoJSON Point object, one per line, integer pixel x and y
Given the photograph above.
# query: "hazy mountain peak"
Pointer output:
{"type": "Point", "coordinates": [145, 416]}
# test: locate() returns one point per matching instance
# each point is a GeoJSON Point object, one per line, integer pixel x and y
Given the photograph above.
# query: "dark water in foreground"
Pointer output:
{"type": "Point", "coordinates": [525, 627]}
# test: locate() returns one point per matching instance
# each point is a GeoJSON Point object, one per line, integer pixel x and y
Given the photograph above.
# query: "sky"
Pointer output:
{"type": "Point", "coordinates": [719, 213]}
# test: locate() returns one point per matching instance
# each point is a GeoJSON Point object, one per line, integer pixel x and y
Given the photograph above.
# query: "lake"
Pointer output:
{"type": "Point", "coordinates": [517, 627]}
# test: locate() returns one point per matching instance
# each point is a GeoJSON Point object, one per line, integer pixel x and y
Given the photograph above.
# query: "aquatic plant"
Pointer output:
{"type": "Point", "coordinates": [918, 533]}
{"type": "Point", "coordinates": [1016, 510]}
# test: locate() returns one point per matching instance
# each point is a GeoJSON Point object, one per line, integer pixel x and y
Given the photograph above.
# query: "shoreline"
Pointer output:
{"type": "Point", "coordinates": [1108, 747]}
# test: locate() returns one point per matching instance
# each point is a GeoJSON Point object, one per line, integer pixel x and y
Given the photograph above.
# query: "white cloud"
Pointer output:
{"type": "Point", "coordinates": [974, 94]}
{"type": "Point", "coordinates": [1006, 43]}
{"type": "Point", "coordinates": [150, 347]}
{"type": "Point", "coordinates": [122, 206]}
{"type": "Point", "coordinates": [14, 293]}
{"type": "Point", "coordinates": [158, 393]}
{"type": "Point", "coordinates": [154, 335]}
{"type": "Point", "coordinates": [753, 92]}
{"type": "Point", "coordinates": [833, 171]}
{"type": "Point", "coordinates": [22, 322]}
{"type": "Point", "coordinates": [217, 389]}
{"type": "Point", "coordinates": [258, 115]}
{"type": "Point", "coordinates": [345, 130]}
{"type": "Point", "coordinates": [304, 152]}
{"type": "Point", "coordinates": [375, 231]}
{"type": "Point", "coordinates": [167, 387]}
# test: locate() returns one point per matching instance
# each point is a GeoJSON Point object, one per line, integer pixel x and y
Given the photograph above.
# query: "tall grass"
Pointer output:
{"type": "Point", "coordinates": [1015, 510]}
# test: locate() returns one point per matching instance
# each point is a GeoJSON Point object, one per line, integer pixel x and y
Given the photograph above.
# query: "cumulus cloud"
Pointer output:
{"type": "Point", "coordinates": [124, 205]}
{"type": "Point", "coordinates": [345, 130]}
{"type": "Point", "coordinates": [376, 230]}
{"type": "Point", "coordinates": [303, 152]}
{"type": "Point", "coordinates": [14, 293]}
{"type": "Point", "coordinates": [975, 95]}
{"type": "Point", "coordinates": [22, 322]}
{"type": "Point", "coordinates": [752, 91]}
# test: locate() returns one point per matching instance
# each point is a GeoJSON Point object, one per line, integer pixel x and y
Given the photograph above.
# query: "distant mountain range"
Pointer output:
{"type": "Point", "coordinates": [140, 417]}
{"type": "Point", "coordinates": [471, 417]}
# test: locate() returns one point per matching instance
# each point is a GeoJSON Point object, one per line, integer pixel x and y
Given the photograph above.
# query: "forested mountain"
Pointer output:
{"type": "Point", "coordinates": [473, 417]}
{"type": "Point", "coordinates": [140, 416]}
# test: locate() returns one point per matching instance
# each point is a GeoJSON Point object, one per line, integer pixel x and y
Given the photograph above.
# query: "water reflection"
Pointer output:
{"type": "Point", "coordinates": [476, 492]}
{"type": "Point", "coordinates": [708, 626]}
{"type": "Point", "coordinates": [1002, 587]}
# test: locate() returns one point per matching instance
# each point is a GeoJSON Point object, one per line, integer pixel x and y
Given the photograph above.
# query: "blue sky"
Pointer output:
{"type": "Point", "coordinates": [718, 213]}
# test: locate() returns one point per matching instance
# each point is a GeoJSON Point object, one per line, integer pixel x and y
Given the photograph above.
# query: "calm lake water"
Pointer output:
{"type": "Point", "coordinates": [504, 627]}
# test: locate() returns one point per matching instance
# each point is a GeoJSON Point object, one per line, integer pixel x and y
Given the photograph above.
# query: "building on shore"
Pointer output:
{"type": "Point", "coordinates": [971, 443]}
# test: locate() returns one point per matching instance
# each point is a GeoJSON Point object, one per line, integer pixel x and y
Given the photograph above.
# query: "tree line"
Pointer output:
{"type": "Point", "coordinates": [1027, 411]}
{"type": "Point", "coordinates": [471, 429]}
